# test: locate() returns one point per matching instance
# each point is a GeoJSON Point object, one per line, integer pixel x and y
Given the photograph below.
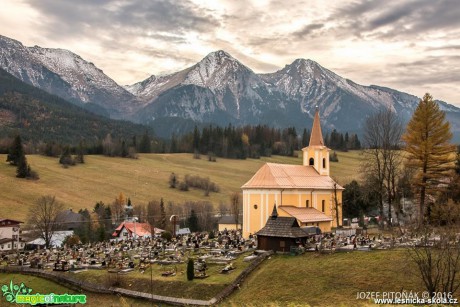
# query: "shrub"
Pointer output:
{"type": "Point", "coordinates": [333, 157]}
{"type": "Point", "coordinates": [166, 235]}
{"type": "Point", "coordinates": [183, 186]}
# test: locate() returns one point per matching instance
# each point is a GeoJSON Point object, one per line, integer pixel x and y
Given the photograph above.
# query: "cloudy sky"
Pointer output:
{"type": "Point", "coordinates": [411, 46]}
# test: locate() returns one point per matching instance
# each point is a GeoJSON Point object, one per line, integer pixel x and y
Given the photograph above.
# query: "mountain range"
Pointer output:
{"type": "Point", "coordinates": [42, 117]}
{"type": "Point", "coordinates": [219, 89]}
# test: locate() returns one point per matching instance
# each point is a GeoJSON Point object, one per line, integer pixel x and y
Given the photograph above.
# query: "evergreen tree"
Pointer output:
{"type": "Point", "coordinates": [353, 202]}
{"type": "Point", "coordinates": [65, 158]}
{"type": "Point", "coordinates": [305, 137]}
{"type": "Point", "coordinates": [172, 181]}
{"type": "Point", "coordinates": [84, 229]}
{"type": "Point", "coordinates": [16, 151]}
{"type": "Point", "coordinates": [80, 152]}
{"type": "Point", "coordinates": [173, 147]}
{"type": "Point", "coordinates": [23, 169]}
{"type": "Point", "coordinates": [427, 139]}
{"type": "Point", "coordinates": [333, 157]}
{"type": "Point", "coordinates": [124, 149]}
{"type": "Point", "coordinates": [17, 157]}
{"type": "Point", "coordinates": [196, 138]}
{"type": "Point", "coordinates": [129, 208]}
{"type": "Point", "coordinates": [145, 144]}
{"type": "Point", "coordinates": [192, 221]}
{"type": "Point", "coordinates": [163, 214]}
{"type": "Point", "coordinates": [190, 270]}
{"type": "Point", "coordinates": [134, 142]}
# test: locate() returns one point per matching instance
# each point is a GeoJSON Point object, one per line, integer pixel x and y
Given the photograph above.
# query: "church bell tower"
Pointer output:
{"type": "Point", "coordinates": [317, 154]}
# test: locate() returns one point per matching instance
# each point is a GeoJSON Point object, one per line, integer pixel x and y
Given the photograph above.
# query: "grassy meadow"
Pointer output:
{"type": "Point", "coordinates": [310, 279]}
{"type": "Point", "coordinates": [335, 279]}
{"type": "Point", "coordinates": [43, 286]}
{"type": "Point", "coordinates": [102, 179]}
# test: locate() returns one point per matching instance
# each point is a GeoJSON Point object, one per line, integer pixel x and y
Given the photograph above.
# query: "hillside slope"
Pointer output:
{"type": "Point", "coordinates": [40, 116]}
{"type": "Point", "coordinates": [145, 179]}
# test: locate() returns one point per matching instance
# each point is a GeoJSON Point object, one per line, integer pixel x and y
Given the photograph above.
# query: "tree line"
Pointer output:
{"type": "Point", "coordinates": [46, 216]}
{"type": "Point", "coordinates": [254, 141]}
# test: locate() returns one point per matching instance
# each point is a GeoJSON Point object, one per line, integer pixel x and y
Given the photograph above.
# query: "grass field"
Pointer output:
{"type": "Point", "coordinates": [44, 286]}
{"type": "Point", "coordinates": [176, 286]}
{"type": "Point", "coordinates": [310, 279]}
{"type": "Point", "coordinates": [327, 280]}
{"type": "Point", "coordinates": [102, 179]}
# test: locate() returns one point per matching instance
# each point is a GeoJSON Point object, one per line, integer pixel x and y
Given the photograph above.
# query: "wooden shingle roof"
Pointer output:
{"type": "Point", "coordinates": [282, 227]}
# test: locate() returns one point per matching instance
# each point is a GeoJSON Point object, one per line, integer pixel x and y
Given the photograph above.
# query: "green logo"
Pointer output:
{"type": "Point", "coordinates": [21, 294]}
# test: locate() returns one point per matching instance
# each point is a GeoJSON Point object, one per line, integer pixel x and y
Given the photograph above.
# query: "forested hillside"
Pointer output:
{"type": "Point", "coordinates": [40, 117]}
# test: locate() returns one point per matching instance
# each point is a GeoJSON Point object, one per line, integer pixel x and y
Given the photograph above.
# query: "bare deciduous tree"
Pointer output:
{"type": "Point", "coordinates": [336, 204]}
{"type": "Point", "coordinates": [43, 217]}
{"type": "Point", "coordinates": [437, 256]}
{"type": "Point", "coordinates": [382, 137]}
{"type": "Point", "coordinates": [235, 207]}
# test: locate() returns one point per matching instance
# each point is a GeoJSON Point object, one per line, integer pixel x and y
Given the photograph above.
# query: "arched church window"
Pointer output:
{"type": "Point", "coordinates": [311, 162]}
{"type": "Point", "coordinates": [324, 162]}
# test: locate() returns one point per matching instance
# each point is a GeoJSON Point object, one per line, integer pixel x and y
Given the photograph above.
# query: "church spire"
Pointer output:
{"type": "Point", "coordinates": [274, 213]}
{"type": "Point", "coordinates": [316, 137]}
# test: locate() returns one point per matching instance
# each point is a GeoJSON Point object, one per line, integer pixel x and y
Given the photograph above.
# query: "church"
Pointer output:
{"type": "Point", "coordinates": [305, 192]}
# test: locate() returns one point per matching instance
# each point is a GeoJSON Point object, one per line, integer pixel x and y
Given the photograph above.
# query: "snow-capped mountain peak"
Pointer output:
{"type": "Point", "coordinates": [217, 89]}
{"type": "Point", "coordinates": [215, 71]}
{"type": "Point", "coordinates": [65, 74]}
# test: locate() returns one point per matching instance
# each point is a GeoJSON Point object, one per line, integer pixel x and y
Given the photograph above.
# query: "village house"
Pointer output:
{"type": "Point", "coordinates": [57, 239]}
{"type": "Point", "coordinates": [228, 222]}
{"type": "Point", "coordinates": [10, 235]}
{"type": "Point", "coordinates": [133, 230]}
{"type": "Point", "coordinates": [305, 192]}
{"type": "Point", "coordinates": [69, 220]}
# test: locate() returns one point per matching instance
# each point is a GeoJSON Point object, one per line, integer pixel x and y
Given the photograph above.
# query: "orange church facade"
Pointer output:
{"type": "Point", "coordinates": [305, 192]}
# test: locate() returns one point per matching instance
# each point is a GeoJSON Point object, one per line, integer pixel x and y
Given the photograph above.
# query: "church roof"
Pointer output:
{"type": "Point", "coordinates": [306, 215]}
{"type": "Point", "coordinates": [287, 176]}
{"type": "Point", "coordinates": [316, 136]}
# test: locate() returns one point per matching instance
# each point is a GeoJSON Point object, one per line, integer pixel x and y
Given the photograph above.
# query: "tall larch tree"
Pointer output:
{"type": "Point", "coordinates": [428, 148]}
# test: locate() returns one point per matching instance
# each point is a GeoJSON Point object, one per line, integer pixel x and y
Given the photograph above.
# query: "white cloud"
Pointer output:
{"type": "Point", "coordinates": [409, 45]}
